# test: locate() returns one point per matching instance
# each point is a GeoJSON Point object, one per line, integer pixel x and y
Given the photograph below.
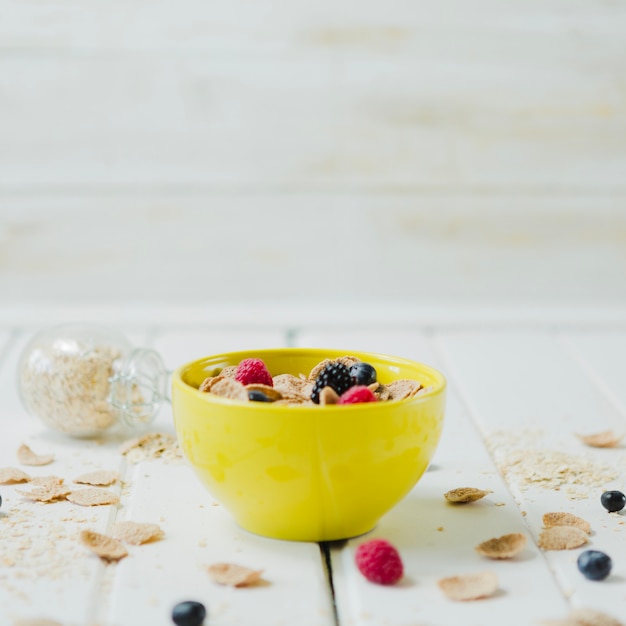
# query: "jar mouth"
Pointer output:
{"type": "Point", "coordinates": [139, 387]}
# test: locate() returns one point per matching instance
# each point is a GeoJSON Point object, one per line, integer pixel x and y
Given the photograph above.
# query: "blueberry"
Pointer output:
{"type": "Point", "coordinates": [594, 565]}
{"type": "Point", "coordinates": [363, 373]}
{"type": "Point", "coordinates": [189, 613]}
{"type": "Point", "coordinates": [0, 500]}
{"type": "Point", "coordinates": [613, 501]}
{"type": "Point", "coordinates": [257, 396]}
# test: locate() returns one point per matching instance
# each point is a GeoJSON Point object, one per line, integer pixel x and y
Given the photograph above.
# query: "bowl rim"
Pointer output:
{"type": "Point", "coordinates": [323, 353]}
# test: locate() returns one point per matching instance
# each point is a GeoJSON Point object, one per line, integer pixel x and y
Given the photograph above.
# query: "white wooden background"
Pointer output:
{"type": "Point", "coordinates": [447, 152]}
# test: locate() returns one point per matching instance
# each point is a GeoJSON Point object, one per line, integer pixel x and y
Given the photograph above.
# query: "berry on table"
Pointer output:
{"type": "Point", "coordinates": [363, 373]}
{"type": "Point", "coordinates": [188, 613]}
{"type": "Point", "coordinates": [253, 372]}
{"type": "Point", "coordinates": [357, 395]}
{"type": "Point", "coordinates": [254, 395]}
{"type": "Point", "coordinates": [613, 501]}
{"type": "Point", "coordinates": [594, 565]}
{"type": "Point", "coordinates": [335, 375]}
{"type": "Point", "coordinates": [379, 562]}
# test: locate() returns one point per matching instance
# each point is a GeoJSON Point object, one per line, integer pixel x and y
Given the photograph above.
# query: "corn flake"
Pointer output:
{"type": "Point", "coordinates": [107, 548]}
{"type": "Point", "coordinates": [463, 495]}
{"type": "Point", "coordinates": [12, 476]}
{"type": "Point", "coordinates": [562, 538]}
{"type": "Point", "coordinates": [137, 533]}
{"type": "Point", "coordinates": [469, 586]}
{"type": "Point", "coordinates": [605, 439]}
{"type": "Point", "coordinates": [27, 457]}
{"type": "Point", "coordinates": [504, 547]}
{"type": "Point", "coordinates": [566, 519]}
{"type": "Point", "coordinates": [99, 478]}
{"type": "Point", "coordinates": [233, 575]}
{"type": "Point", "coordinates": [92, 496]}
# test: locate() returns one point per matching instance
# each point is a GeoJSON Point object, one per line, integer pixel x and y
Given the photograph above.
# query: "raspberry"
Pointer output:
{"type": "Point", "coordinates": [357, 394]}
{"type": "Point", "coordinates": [253, 372]}
{"type": "Point", "coordinates": [335, 375]}
{"type": "Point", "coordinates": [379, 562]}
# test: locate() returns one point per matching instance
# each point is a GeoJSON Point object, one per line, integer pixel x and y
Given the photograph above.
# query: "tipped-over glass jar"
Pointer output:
{"type": "Point", "coordinates": [82, 379]}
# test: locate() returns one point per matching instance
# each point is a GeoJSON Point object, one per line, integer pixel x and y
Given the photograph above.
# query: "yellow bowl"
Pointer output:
{"type": "Point", "coordinates": [307, 473]}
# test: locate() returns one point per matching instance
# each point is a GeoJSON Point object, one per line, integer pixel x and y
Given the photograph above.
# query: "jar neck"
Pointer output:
{"type": "Point", "coordinates": [139, 387]}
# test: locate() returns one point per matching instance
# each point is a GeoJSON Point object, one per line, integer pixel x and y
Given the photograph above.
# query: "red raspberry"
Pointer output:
{"type": "Point", "coordinates": [253, 372]}
{"type": "Point", "coordinates": [356, 394]}
{"type": "Point", "coordinates": [379, 562]}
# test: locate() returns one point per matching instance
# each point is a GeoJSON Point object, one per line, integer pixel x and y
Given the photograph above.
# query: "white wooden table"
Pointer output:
{"type": "Point", "coordinates": [516, 387]}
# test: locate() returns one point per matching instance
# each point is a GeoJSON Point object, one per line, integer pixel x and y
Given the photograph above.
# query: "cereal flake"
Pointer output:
{"type": "Point", "coordinates": [12, 476]}
{"type": "Point", "coordinates": [505, 547]}
{"type": "Point", "coordinates": [137, 533]}
{"type": "Point", "coordinates": [27, 457]}
{"type": "Point", "coordinates": [605, 439]}
{"type": "Point", "coordinates": [99, 478]}
{"type": "Point", "coordinates": [566, 519]}
{"type": "Point", "coordinates": [107, 548]}
{"type": "Point", "coordinates": [562, 538]}
{"type": "Point", "coordinates": [92, 496]}
{"type": "Point", "coordinates": [48, 493]}
{"type": "Point", "coordinates": [230, 389]}
{"type": "Point", "coordinates": [233, 575]}
{"type": "Point", "coordinates": [469, 586]}
{"type": "Point", "coordinates": [463, 495]}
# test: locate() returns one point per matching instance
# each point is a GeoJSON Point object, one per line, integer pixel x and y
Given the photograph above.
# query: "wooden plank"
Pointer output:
{"type": "Point", "coordinates": [199, 532]}
{"type": "Point", "coordinates": [407, 97]}
{"type": "Point", "coordinates": [529, 397]}
{"type": "Point", "coordinates": [435, 539]}
{"type": "Point", "coordinates": [492, 252]}
{"type": "Point", "coordinates": [44, 571]}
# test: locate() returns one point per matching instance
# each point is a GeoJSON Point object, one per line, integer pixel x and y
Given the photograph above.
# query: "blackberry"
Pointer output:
{"type": "Point", "coordinates": [335, 375]}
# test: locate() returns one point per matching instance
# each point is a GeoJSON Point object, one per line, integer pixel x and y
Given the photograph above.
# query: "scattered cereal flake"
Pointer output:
{"type": "Point", "coordinates": [270, 392]}
{"type": "Point", "coordinates": [101, 478]}
{"type": "Point", "coordinates": [151, 446]}
{"type": "Point", "coordinates": [566, 519]}
{"type": "Point", "coordinates": [46, 481]}
{"type": "Point", "coordinates": [584, 617]}
{"type": "Point", "coordinates": [328, 396]}
{"type": "Point", "coordinates": [562, 538]}
{"type": "Point", "coordinates": [605, 439]}
{"type": "Point", "coordinates": [48, 493]}
{"type": "Point", "coordinates": [591, 617]}
{"type": "Point", "coordinates": [27, 457]}
{"type": "Point", "coordinates": [12, 476]}
{"type": "Point", "coordinates": [92, 496]}
{"type": "Point", "coordinates": [230, 389]}
{"type": "Point", "coordinates": [107, 548]}
{"type": "Point", "coordinates": [233, 575]}
{"type": "Point", "coordinates": [462, 495]}
{"type": "Point", "coordinates": [469, 586]}
{"type": "Point", "coordinates": [37, 621]}
{"type": "Point", "coordinates": [504, 547]}
{"type": "Point", "coordinates": [137, 533]}
{"type": "Point", "coordinates": [402, 388]}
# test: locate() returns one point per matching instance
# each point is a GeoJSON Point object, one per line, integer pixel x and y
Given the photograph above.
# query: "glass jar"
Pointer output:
{"type": "Point", "coordinates": [82, 379]}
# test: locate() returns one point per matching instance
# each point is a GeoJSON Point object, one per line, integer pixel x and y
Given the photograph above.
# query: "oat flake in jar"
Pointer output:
{"type": "Point", "coordinates": [82, 379]}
